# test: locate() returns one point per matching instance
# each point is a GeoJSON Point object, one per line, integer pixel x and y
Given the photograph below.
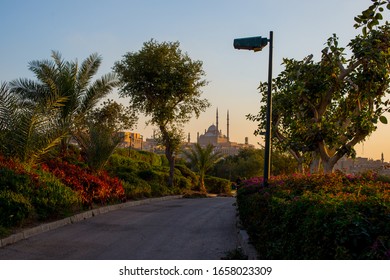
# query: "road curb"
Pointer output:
{"type": "Point", "coordinates": [244, 241]}
{"type": "Point", "coordinates": [77, 218]}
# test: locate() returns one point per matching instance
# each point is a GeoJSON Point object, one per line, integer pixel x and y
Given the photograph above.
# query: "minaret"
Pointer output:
{"type": "Point", "coordinates": [227, 126]}
{"type": "Point", "coordinates": [217, 121]}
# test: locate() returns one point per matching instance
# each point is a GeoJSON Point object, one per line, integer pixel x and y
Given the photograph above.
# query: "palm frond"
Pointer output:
{"type": "Point", "coordinates": [28, 90]}
{"type": "Point", "coordinates": [7, 106]}
{"type": "Point", "coordinates": [97, 91]}
{"type": "Point", "coordinates": [57, 57]}
{"type": "Point", "coordinates": [88, 69]}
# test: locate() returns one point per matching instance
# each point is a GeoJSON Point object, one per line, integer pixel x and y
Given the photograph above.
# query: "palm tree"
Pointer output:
{"type": "Point", "coordinates": [202, 159]}
{"type": "Point", "coordinates": [71, 82]}
{"type": "Point", "coordinates": [28, 130]}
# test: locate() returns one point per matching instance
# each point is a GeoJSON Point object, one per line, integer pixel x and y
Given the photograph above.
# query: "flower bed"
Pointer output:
{"type": "Point", "coordinates": [93, 188]}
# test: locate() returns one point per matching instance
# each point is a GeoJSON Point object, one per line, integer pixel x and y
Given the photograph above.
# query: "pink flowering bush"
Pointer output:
{"type": "Point", "coordinates": [333, 216]}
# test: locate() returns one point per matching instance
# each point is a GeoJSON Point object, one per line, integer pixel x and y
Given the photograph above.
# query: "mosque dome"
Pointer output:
{"type": "Point", "coordinates": [212, 128]}
{"type": "Point", "coordinates": [211, 131]}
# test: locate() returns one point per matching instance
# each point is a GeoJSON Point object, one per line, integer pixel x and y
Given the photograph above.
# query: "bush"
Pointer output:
{"type": "Point", "coordinates": [148, 157]}
{"type": "Point", "coordinates": [135, 187]}
{"type": "Point", "coordinates": [14, 208]}
{"type": "Point", "coordinates": [182, 183]}
{"type": "Point", "coordinates": [189, 174]}
{"type": "Point", "coordinates": [52, 199]}
{"type": "Point", "coordinates": [318, 217]}
{"type": "Point", "coordinates": [217, 185]}
{"type": "Point", "coordinates": [118, 163]}
{"type": "Point", "coordinates": [93, 188]}
{"type": "Point", "coordinates": [16, 181]}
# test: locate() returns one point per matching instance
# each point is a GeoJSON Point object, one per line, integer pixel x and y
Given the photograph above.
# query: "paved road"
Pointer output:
{"type": "Point", "coordinates": [183, 229]}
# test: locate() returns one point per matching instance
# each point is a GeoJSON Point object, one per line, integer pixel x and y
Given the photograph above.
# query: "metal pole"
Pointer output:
{"type": "Point", "coordinates": [267, 153]}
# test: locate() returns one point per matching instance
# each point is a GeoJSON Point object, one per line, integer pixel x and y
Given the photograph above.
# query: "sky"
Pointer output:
{"type": "Point", "coordinates": [30, 30]}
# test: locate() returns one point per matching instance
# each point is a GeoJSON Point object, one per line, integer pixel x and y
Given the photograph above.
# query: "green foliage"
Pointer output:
{"type": "Point", "coordinates": [321, 110]}
{"type": "Point", "coordinates": [52, 199]}
{"type": "Point", "coordinates": [69, 86]}
{"type": "Point", "coordinates": [100, 136]}
{"type": "Point", "coordinates": [217, 185]}
{"type": "Point", "coordinates": [14, 181]}
{"type": "Point", "coordinates": [202, 159]}
{"type": "Point", "coordinates": [144, 156]}
{"type": "Point", "coordinates": [318, 217]}
{"type": "Point", "coordinates": [372, 16]}
{"type": "Point", "coordinates": [14, 208]}
{"type": "Point", "coordinates": [142, 179]}
{"type": "Point", "coordinates": [165, 85]}
{"type": "Point", "coordinates": [136, 188]}
{"type": "Point", "coordinates": [98, 144]}
{"type": "Point", "coordinates": [250, 163]}
{"type": "Point", "coordinates": [246, 164]}
{"type": "Point", "coordinates": [47, 196]}
{"type": "Point", "coordinates": [187, 173]}
{"type": "Point", "coordinates": [28, 130]}
{"type": "Point", "coordinates": [113, 115]}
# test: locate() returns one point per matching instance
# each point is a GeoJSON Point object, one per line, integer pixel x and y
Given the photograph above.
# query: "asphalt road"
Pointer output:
{"type": "Point", "coordinates": [179, 229]}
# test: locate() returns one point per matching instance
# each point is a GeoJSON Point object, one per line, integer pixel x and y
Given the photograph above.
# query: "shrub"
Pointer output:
{"type": "Point", "coordinates": [182, 183]}
{"type": "Point", "coordinates": [52, 199]}
{"type": "Point", "coordinates": [188, 173]}
{"type": "Point", "coordinates": [93, 188]}
{"type": "Point", "coordinates": [145, 156]}
{"type": "Point", "coordinates": [157, 180]}
{"type": "Point", "coordinates": [17, 181]}
{"type": "Point", "coordinates": [121, 163]}
{"type": "Point", "coordinates": [217, 185]}
{"type": "Point", "coordinates": [318, 217]}
{"type": "Point", "coordinates": [14, 208]}
{"type": "Point", "coordinates": [135, 187]}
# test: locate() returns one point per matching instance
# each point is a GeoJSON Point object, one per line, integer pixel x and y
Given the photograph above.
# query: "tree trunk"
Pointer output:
{"type": "Point", "coordinates": [202, 187]}
{"type": "Point", "coordinates": [301, 168]}
{"type": "Point", "coordinates": [171, 160]}
{"type": "Point", "coordinates": [328, 166]}
{"type": "Point", "coordinates": [315, 163]}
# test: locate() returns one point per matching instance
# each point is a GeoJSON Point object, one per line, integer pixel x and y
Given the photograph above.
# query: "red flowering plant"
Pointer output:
{"type": "Point", "coordinates": [93, 188]}
{"type": "Point", "coordinates": [32, 193]}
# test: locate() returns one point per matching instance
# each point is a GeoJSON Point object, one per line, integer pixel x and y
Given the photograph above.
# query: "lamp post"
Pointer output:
{"type": "Point", "coordinates": [257, 44]}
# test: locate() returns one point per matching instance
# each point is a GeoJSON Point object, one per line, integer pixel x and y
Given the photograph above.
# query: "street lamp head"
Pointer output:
{"type": "Point", "coordinates": [251, 43]}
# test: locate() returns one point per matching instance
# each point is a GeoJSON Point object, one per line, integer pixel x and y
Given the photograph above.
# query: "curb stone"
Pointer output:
{"type": "Point", "coordinates": [77, 218]}
{"type": "Point", "coordinates": [244, 241]}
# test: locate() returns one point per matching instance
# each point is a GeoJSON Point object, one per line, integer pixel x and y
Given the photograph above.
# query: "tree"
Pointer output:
{"type": "Point", "coordinates": [71, 82]}
{"type": "Point", "coordinates": [321, 110]}
{"type": "Point", "coordinates": [28, 130]}
{"type": "Point", "coordinates": [249, 163]}
{"type": "Point", "coordinates": [100, 135]}
{"type": "Point", "coordinates": [165, 85]}
{"type": "Point", "coordinates": [202, 160]}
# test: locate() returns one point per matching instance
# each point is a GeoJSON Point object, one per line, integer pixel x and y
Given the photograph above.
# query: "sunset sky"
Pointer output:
{"type": "Point", "coordinates": [205, 30]}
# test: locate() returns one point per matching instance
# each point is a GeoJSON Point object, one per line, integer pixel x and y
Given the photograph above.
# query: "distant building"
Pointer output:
{"type": "Point", "coordinates": [214, 136]}
{"type": "Point", "coordinates": [131, 140]}
{"type": "Point", "coordinates": [359, 164]}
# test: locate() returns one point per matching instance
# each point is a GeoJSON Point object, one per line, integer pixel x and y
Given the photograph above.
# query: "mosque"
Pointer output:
{"type": "Point", "coordinates": [214, 136]}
